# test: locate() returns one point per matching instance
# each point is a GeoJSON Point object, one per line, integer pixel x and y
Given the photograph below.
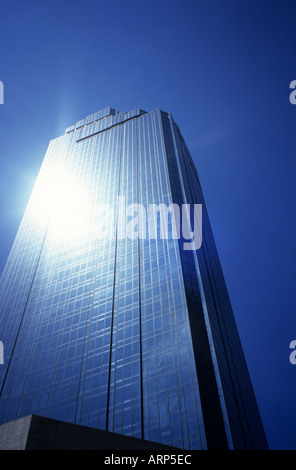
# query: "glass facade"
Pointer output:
{"type": "Point", "coordinates": [133, 335]}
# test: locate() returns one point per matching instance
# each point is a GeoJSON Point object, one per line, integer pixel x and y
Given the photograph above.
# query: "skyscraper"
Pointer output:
{"type": "Point", "coordinates": [131, 334]}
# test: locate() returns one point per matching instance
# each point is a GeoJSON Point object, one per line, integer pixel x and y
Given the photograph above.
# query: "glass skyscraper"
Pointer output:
{"type": "Point", "coordinates": [130, 334]}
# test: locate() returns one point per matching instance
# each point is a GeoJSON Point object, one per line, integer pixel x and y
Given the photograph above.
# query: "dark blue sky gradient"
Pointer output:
{"type": "Point", "coordinates": [223, 69]}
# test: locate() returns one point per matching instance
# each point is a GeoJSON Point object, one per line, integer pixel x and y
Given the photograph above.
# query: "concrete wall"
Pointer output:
{"type": "Point", "coordinates": [37, 432]}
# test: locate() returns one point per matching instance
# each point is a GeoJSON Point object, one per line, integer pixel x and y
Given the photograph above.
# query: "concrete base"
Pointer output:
{"type": "Point", "coordinates": [38, 433]}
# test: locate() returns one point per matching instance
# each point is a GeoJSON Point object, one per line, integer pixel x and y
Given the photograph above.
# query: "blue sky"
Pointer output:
{"type": "Point", "coordinates": [222, 68]}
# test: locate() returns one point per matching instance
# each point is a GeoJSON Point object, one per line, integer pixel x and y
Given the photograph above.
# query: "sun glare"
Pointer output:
{"type": "Point", "coordinates": [63, 203]}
